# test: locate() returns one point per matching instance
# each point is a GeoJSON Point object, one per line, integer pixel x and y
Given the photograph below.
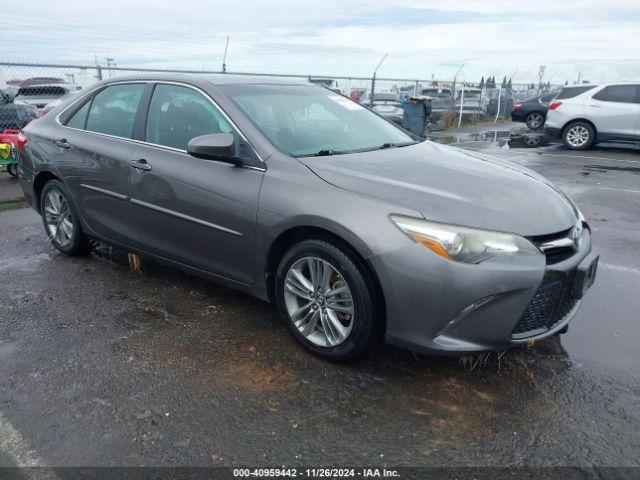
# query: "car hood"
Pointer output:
{"type": "Point", "coordinates": [451, 185]}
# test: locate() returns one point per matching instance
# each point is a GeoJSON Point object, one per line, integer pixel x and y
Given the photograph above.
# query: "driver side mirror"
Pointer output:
{"type": "Point", "coordinates": [216, 146]}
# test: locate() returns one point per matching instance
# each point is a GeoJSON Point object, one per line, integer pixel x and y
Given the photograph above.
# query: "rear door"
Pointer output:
{"type": "Point", "coordinates": [93, 155]}
{"type": "Point", "coordinates": [201, 213]}
{"type": "Point", "coordinates": [615, 110]}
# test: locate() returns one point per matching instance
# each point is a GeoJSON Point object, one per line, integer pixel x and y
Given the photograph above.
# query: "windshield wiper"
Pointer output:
{"type": "Point", "coordinates": [325, 153]}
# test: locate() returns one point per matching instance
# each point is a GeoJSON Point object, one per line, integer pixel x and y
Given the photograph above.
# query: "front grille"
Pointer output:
{"type": "Point", "coordinates": [550, 305]}
{"type": "Point", "coordinates": [554, 255]}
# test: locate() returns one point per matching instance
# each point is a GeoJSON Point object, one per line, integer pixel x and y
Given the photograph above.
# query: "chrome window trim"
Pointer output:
{"type": "Point", "coordinates": [164, 147]}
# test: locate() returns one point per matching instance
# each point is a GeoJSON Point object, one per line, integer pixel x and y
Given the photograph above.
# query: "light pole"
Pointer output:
{"type": "Point", "coordinates": [373, 80]}
{"type": "Point", "coordinates": [224, 59]}
{"type": "Point", "coordinates": [453, 87]}
{"type": "Point", "coordinates": [110, 63]}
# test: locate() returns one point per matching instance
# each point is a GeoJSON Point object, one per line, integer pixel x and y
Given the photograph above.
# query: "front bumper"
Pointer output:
{"type": "Point", "coordinates": [438, 306]}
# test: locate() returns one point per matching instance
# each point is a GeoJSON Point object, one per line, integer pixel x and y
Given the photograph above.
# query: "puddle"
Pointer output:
{"type": "Point", "coordinates": [499, 138]}
{"type": "Point", "coordinates": [606, 329]}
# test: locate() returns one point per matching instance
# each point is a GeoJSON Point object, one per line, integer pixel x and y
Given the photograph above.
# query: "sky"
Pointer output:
{"type": "Point", "coordinates": [600, 41]}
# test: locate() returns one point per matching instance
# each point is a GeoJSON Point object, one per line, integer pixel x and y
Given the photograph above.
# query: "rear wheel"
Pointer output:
{"type": "Point", "coordinates": [578, 136]}
{"type": "Point", "coordinates": [535, 120]}
{"type": "Point", "coordinates": [328, 300]}
{"type": "Point", "coordinates": [61, 219]}
{"type": "Point", "coordinates": [12, 170]}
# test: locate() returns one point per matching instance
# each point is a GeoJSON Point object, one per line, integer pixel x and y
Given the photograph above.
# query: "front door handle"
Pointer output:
{"type": "Point", "coordinates": [595, 105]}
{"type": "Point", "coordinates": [140, 164]}
{"type": "Point", "coordinates": [62, 143]}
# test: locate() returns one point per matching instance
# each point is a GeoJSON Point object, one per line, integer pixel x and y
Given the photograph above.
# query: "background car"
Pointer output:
{"type": "Point", "coordinates": [14, 116]}
{"type": "Point", "coordinates": [583, 116]}
{"type": "Point", "coordinates": [357, 93]}
{"type": "Point", "coordinates": [389, 105]}
{"type": "Point", "coordinates": [39, 95]}
{"type": "Point", "coordinates": [472, 101]}
{"type": "Point", "coordinates": [533, 111]}
{"type": "Point", "coordinates": [441, 100]}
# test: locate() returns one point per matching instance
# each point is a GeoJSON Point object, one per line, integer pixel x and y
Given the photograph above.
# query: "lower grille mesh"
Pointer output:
{"type": "Point", "coordinates": [549, 306]}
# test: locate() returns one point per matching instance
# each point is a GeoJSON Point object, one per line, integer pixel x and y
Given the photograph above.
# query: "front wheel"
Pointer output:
{"type": "Point", "coordinates": [12, 169]}
{"type": "Point", "coordinates": [61, 219]}
{"type": "Point", "coordinates": [578, 136]}
{"type": "Point", "coordinates": [328, 300]}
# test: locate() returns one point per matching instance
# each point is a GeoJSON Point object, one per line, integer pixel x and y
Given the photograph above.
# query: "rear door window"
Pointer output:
{"type": "Point", "coordinates": [618, 93]}
{"type": "Point", "coordinates": [113, 110]}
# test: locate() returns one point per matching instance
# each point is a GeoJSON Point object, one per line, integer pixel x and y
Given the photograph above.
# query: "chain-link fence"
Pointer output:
{"type": "Point", "coordinates": [30, 90]}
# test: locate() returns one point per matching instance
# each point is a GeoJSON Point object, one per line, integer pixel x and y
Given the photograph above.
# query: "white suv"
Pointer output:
{"type": "Point", "coordinates": [584, 115]}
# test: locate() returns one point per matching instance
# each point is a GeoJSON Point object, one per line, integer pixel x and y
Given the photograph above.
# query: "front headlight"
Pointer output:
{"type": "Point", "coordinates": [461, 244]}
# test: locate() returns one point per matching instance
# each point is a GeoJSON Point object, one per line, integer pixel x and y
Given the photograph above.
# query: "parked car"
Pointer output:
{"type": "Point", "coordinates": [533, 111]}
{"type": "Point", "coordinates": [473, 101]}
{"type": "Point", "coordinates": [585, 115]}
{"type": "Point", "coordinates": [441, 100]}
{"type": "Point", "coordinates": [353, 227]}
{"type": "Point", "coordinates": [39, 95]}
{"type": "Point", "coordinates": [389, 106]}
{"type": "Point", "coordinates": [357, 93]}
{"type": "Point", "coordinates": [14, 116]}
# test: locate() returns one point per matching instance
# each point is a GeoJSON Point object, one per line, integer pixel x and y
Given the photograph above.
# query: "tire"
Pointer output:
{"type": "Point", "coordinates": [12, 170]}
{"type": "Point", "coordinates": [67, 236]}
{"type": "Point", "coordinates": [360, 329]}
{"type": "Point", "coordinates": [578, 136]}
{"type": "Point", "coordinates": [535, 120]}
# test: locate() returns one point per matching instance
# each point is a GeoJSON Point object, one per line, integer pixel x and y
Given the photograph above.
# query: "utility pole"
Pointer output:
{"type": "Point", "coordinates": [373, 80]}
{"type": "Point", "coordinates": [224, 59]}
{"type": "Point", "coordinates": [453, 87]}
{"type": "Point", "coordinates": [98, 68]}
{"type": "Point", "coordinates": [110, 63]}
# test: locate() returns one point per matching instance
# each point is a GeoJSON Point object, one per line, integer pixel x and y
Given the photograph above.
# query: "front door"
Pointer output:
{"type": "Point", "coordinates": [615, 111]}
{"type": "Point", "coordinates": [201, 213]}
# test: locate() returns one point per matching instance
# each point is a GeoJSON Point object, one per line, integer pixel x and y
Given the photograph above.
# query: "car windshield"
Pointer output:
{"type": "Point", "coordinates": [305, 120]}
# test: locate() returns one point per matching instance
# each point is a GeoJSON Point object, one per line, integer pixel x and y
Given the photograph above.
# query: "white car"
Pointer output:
{"type": "Point", "coordinates": [473, 101]}
{"type": "Point", "coordinates": [582, 116]}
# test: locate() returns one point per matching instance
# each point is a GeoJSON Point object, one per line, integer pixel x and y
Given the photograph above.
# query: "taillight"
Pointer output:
{"type": "Point", "coordinates": [516, 106]}
{"type": "Point", "coordinates": [554, 105]}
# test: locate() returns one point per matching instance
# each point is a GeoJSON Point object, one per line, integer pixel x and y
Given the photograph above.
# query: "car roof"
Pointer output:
{"type": "Point", "coordinates": [217, 79]}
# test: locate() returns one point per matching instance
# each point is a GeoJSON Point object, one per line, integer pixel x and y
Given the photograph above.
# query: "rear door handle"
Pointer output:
{"type": "Point", "coordinates": [140, 164]}
{"type": "Point", "coordinates": [594, 105]}
{"type": "Point", "coordinates": [62, 143]}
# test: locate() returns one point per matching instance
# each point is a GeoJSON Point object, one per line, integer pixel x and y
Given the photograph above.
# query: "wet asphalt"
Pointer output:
{"type": "Point", "coordinates": [103, 366]}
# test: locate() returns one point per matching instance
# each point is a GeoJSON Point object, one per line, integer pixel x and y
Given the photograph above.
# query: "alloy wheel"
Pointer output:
{"type": "Point", "coordinates": [319, 301]}
{"type": "Point", "coordinates": [577, 136]}
{"type": "Point", "coordinates": [535, 121]}
{"type": "Point", "coordinates": [58, 219]}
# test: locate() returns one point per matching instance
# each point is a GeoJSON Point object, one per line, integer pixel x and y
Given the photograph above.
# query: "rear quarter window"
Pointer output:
{"type": "Point", "coordinates": [571, 92]}
{"type": "Point", "coordinates": [618, 93]}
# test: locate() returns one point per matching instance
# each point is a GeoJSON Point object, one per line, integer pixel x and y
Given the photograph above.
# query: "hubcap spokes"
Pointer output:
{"type": "Point", "coordinates": [577, 136]}
{"type": "Point", "coordinates": [319, 301]}
{"type": "Point", "coordinates": [536, 120]}
{"type": "Point", "coordinates": [58, 218]}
